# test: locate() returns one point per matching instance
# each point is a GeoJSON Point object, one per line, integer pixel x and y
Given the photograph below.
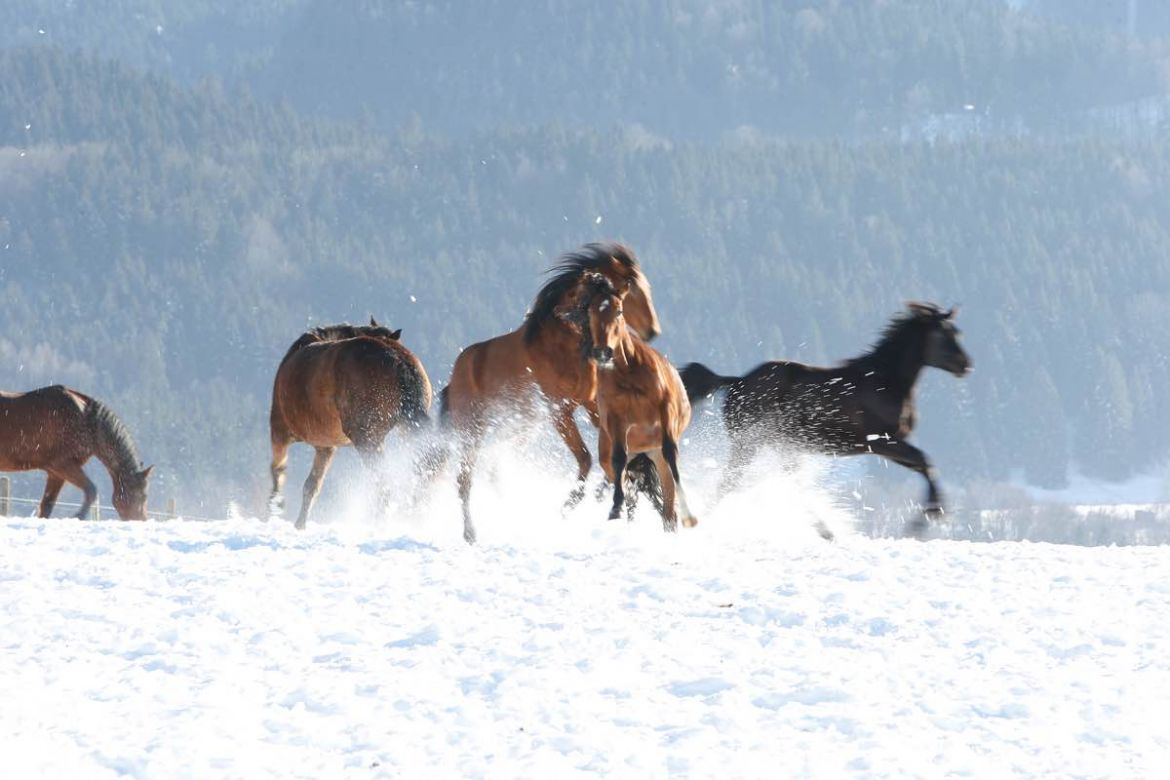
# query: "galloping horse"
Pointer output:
{"type": "Point", "coordinates": [863, 405]}
{"type": "Point", "coordinates": [342, 385]}
{"type": "Point", "coordinates": [641, 400]}
{"type": "Point", "coordinates": [543, 354]}
{"type": "Point", "coordinates": [57, 429]}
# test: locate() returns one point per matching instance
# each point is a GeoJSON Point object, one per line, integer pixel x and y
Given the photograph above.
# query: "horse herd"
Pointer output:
{"type": "Point", "coordinates": [584, 344]}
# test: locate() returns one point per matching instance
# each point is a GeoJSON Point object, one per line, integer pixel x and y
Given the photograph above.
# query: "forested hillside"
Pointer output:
{"type": "Point", "coordinates": [175, 254]}
{"type": "Point", "coordinates": [162, 243]}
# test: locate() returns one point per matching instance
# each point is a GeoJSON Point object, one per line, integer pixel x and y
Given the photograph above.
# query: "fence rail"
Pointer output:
{"type": "Point", "coordinates": [96, 511]}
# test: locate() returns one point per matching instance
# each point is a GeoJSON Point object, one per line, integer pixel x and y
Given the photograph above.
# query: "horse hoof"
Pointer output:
{"type": "Point", "coordinates": [670, 526]}
{"type": "Point", "coordinates": [934, 511]}
{"type": "Point", "coordinates": [690, 522]}
{"type": "Point", "coordinates": [616, 514]}
{"type": "Point", "coordinates": [916, 529]}
{"type": "Point", "coordinates": [825, 532]}
{"type": "Point", "coordinates": [299, 525]}
{"type": "Point", "coordinates": [469, 536]}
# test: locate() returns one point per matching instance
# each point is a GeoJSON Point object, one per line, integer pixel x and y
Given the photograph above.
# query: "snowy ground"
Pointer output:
{"type": "Point", "coordinates": [571, 646]}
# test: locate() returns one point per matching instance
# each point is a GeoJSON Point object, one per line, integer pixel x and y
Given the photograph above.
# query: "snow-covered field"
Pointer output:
{"type": "Point", "coordinates": [746, 647]}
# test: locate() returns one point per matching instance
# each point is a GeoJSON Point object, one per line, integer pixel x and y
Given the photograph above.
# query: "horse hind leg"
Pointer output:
{"type": "Point", "coordinates": [669, 494]}
{"type": "Point", "coordinates": [279, 468]}
{"type": "Point", "coordinates": [467, 460]}
{"type": "Point", "coordinates": [571, 435]}
{"type": "Point", "coordinates": [316, 476]}
{"type": "Point", "coordinates": [53, 487]}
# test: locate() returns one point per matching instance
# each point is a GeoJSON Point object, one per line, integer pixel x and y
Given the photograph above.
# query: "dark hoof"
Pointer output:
{"type": "Point", "coordinates": [601, 490]}
{"type": "Point", "coordinates": [670, 526]}
{"type": "Point", "coordinates": [615, 514]}
{"type": "Point", "coordinates": [825, 532]}
{"type": "Point", "coordinates": [933, 511]}
{"type": "Point", "coordinates": [300, 524]}
{"type": "Point", "coordinates": [916, 529]}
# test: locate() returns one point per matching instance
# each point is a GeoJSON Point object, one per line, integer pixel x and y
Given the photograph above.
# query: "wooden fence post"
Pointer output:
{"type": "Point", "coordinates": [95, 511]}
{"type": "Point", "coordinates": [5, 496]}
{"type": "Point", "coordinates": [172, 511]}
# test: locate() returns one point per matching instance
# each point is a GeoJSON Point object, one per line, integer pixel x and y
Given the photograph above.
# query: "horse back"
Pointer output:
{"type": "Point", "coordinates": [42, 427]}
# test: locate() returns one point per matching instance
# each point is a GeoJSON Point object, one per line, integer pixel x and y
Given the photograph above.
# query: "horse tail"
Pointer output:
{"type": "Point", "coordinates": [416, 391]}
{"type": "Point", "coordinates": [444, 403]}
{"type": "Point", "coordinates": [701, 381]}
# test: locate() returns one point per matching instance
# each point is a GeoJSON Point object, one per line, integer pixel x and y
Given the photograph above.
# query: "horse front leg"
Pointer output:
{"type": "Point", "coordinates": [618, 464]}
{"type": "Point", "coordinates": [53, 487]}
{"type": "Point", "coordinates": [321, 463]}
{"type": "Point", "coordinates": [906, 454]}
{"type": "Point", "coordinates": [670, 455]}
{"type": "Point", "coordinates": [571, 435]}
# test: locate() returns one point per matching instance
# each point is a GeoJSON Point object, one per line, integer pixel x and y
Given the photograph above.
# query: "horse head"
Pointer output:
{"type": "Point", "coordinates": [640, 313]}
{"type": "Point", "coordinates": [605, 306]}
{"type": "Point", "coordinates": [130, 491]}
{"type": "Point", "coordinates": [942, 338]}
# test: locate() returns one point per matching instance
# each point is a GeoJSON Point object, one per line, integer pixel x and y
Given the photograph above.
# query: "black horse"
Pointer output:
{"type": "Point", "coordinates": [863, 405]}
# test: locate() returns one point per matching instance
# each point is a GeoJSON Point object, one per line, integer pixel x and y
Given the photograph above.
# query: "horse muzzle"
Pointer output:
{"type": "Point", "coordinates": [602, 356]}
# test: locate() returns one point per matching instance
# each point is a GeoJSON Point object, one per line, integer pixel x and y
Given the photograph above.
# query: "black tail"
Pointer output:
{"type": "Point", "coordinates": [415, 388]}
{"type": "Point", "coordinates": [701, 381]}
{"type": "Point", "coordinates": [444, 403]}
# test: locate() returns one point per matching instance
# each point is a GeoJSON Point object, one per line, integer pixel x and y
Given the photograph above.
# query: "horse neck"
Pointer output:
{"type": "Point", "coordinates": [899, 360]}
{"type": "Point", "coordinates": [626, 355]}
{"type": "Point", "coordinates": [113, 447]}
{"type": "Point", "coordinates": [560, 347]}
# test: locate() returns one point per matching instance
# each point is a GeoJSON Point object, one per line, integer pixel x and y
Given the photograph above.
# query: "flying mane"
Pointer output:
{"type": "Point", "coordinates": [566, 273]}
{"type": "Point", "coordinates": [901, 326]}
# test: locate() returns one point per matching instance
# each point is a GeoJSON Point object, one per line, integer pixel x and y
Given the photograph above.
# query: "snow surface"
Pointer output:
{"type": "Point", "coordinates": [560, 647]}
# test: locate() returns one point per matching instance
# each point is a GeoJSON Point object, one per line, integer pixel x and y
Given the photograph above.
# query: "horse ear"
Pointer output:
{"type": "Point", "coordinates": [950, 315]}
{"type": "Point", "coordinates": [373, 322]}
{"type": "Point", "coordinates": [145, 473]}
{"type": "Point", "coordinates": [396, 334]}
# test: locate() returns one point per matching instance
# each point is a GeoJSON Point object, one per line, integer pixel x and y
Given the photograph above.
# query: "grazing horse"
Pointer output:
{"type": "Point", "coordinates": [541, 355]}
{"type": "Point", "coordinates": [338, 386]}
{"type": "Point", "coordinates": [863, 405]}
{"type": "Point", "coordinates": [641, 400]}
{"type": "Point", "coordinates": [57, 430]}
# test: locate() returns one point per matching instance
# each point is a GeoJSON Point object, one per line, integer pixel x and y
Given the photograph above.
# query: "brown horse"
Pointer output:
{"type": "Point", "coordinates": [338, 386]}
{"type": "Point", "coordinates": [57, 430]}
{"type": "Point", "coordinates": [641, 400]}
{"type": "Point", "coordinates": [864, 405]}
{"type": "Point", "coordinates": [542, 355]}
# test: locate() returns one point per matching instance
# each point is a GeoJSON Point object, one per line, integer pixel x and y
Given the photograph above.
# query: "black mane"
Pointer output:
{"type": "Point", "coordinates": [891, 343]}
{"type": "Point", "coordinates": [566, 273]}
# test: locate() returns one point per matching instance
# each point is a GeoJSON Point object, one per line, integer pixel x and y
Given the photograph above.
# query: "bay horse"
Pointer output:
{"type": "Point", "coordinates": [863, 405]}
{"type": "Point", "coordinates": [541, 355]}
{"type": "Point", "coordinates": [641, 401]}
{"type": "Point", "coordinates": [57, 429]}
{"type": "Point", "coordinates": [339, 386]}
